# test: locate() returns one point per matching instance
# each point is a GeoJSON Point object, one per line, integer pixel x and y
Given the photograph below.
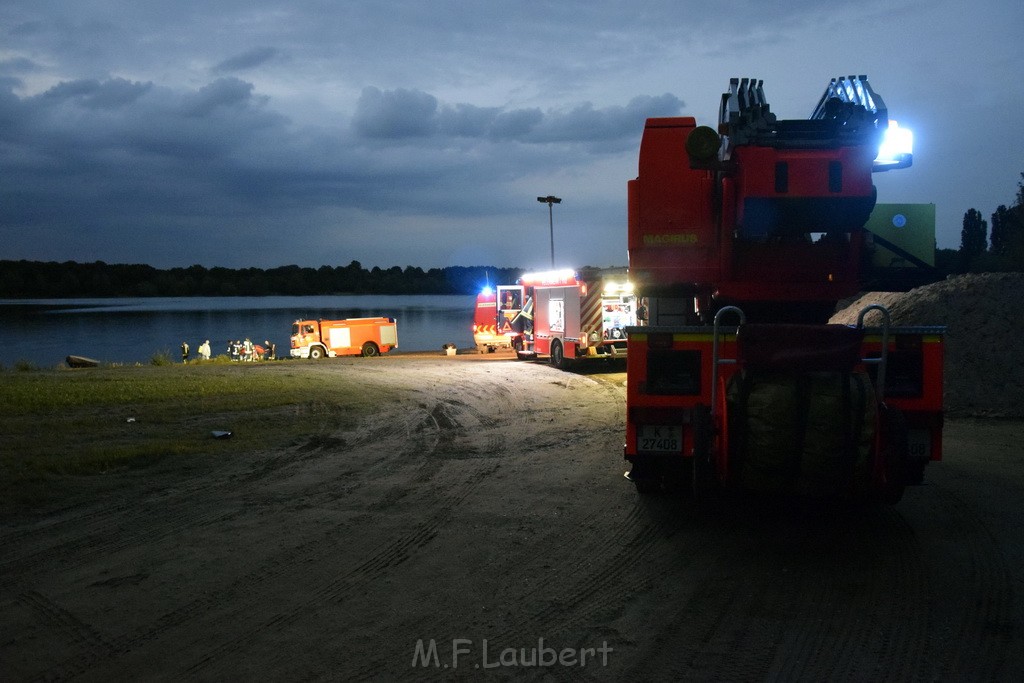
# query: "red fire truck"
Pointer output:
{"type": "Point", "coordinates": [351, 337]}
{"type": "Point", "coordinates": [744, 238]}
{"type": "Point", "coordinates": [568, 316]}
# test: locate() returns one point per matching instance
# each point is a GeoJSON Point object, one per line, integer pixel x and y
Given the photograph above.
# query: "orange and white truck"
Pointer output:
{"type": "Point", "coordinates": [352, 337]}
{"type": "Point", "coordinates": [570, 316]}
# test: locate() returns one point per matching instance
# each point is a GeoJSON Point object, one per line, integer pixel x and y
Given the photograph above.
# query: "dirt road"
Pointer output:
{"type": "Point", "coordinates": [481, 527]}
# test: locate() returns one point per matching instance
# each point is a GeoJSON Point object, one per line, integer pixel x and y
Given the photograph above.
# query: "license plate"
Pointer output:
{"type": "Point", "coordinates": [659, 439]}
{"type": "Point", "coordinates": [920, 444]}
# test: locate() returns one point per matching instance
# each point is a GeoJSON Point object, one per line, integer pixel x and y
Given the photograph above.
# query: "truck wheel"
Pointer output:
{"type": "Point", "coordinates": [894, 453]}
{"type": "Point", "coordinates": [316, 353]}
{"type": "Point", "coordinates": [703, 472]}
{"type": "Point", "coordinates": [370, 349]}
{"type": "Point", "coordinates": [517, 346]}
{"type": "Point", "coordinates": [557, 359]}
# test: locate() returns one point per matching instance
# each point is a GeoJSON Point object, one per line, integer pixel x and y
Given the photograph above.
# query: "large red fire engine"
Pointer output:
{"type": "Point", "coordinates": [568, 316]}
{"type": "Point", "coordinates": [743, 239]}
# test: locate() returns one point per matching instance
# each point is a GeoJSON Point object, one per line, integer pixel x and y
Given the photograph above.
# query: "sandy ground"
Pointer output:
{"type": "Point", "coordinates": [481, 527]}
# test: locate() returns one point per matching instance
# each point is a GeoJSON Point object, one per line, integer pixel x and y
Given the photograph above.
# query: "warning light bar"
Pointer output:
{"type": "Point", "coordinates": [615, 288]}
{"type": "Point", "coordinates": [550, 278]}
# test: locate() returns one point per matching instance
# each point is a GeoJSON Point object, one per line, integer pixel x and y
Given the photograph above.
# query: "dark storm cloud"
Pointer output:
{"type": "Point", "coordinates": [249, 59]}
{"type": "Point", "coordinates": [395, 113]}
{"type": "Point", "coordinates": [18, 65]}
{"type": "Point", "coordinates": [224, 92]}
{"type": "Point", "coordinates": [400, 114]}
{"type": "Point", "coordinates": [93, 94]}
{"type": "Point", "coordinates": [251, 132]}
{"type": "Point", "coordinates": [466, 120]}
{"type": "Point", "coordinates": [157, 152]}
{"type": "Point", "coordinates": [587, 123]}
{"type": "Point", "coordinates": [146, 162]}
{"type": "Point", "coordinates": [517, 124]}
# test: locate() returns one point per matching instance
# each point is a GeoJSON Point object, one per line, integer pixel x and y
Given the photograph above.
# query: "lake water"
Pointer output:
{"type": "Point", "coordinates": [45, 331]}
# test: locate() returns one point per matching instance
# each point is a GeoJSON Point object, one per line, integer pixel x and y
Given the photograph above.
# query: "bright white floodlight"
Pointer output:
{"type": "Point", "coordinates": [896, 150]}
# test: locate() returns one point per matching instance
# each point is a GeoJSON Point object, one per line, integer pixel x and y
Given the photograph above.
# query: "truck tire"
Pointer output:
{"type": "Point", "coordinates": [557, 357]}
{"type": "Point", "coordinates": [703, 472]}
{"type": "Point", "coordinates": [370, 349]}
{"type": "Point", "coordinates": [517, 346]}
{"type": "Point", "coordinates": [316, 353]}
{"type": "Point", "coordinates": [894, 454]}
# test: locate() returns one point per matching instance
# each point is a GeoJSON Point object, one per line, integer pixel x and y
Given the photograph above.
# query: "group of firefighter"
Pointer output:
{"type": "Point", "coordinates": [238, 350]}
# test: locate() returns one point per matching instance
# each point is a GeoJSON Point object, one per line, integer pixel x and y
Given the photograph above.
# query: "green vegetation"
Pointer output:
{"type": "Point", "coordinates": [61, 423]}
{"type": "Point", "coordinates": [161, 358]}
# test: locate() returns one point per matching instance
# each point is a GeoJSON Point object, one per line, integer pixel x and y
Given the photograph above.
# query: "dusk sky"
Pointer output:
{"type": "Point", "coordinates": [266, 133]}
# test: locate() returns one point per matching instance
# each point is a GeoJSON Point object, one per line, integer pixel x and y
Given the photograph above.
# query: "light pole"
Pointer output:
{"type": "Point", "coordinates": [549, 200]}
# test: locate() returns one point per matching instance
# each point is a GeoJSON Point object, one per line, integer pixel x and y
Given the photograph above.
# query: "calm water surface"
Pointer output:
{"type": "Point", "coordinates": [45, 331]}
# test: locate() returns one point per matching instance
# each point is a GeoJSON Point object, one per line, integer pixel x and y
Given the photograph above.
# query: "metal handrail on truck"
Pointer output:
{"type": "Point", "coordinates": [715, 360]}
{"type": "Point", "coordinates": [883, 357]}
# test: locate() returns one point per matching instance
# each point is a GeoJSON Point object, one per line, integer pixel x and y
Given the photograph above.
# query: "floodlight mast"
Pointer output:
{"type": "Point", "coordinates": [550, 200]}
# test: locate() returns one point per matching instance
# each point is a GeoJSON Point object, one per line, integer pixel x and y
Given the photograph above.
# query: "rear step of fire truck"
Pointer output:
{"type": "Point", "coordinates": [800, 409]}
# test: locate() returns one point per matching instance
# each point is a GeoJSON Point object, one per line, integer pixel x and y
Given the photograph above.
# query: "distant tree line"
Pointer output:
{"type": "Point", "coordinates": [51, 280]}
{"type": "Point", "coordinates": [982, 250]}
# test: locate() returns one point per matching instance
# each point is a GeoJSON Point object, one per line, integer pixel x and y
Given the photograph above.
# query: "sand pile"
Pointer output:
{"type": "Point", "coordinates": [984, 337]}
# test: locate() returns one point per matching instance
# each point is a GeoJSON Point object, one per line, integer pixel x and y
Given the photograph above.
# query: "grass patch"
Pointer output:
{"type": "Point", "coordinates": [59, 423]}
{"type": "Point", "coordinates": [161, 358]}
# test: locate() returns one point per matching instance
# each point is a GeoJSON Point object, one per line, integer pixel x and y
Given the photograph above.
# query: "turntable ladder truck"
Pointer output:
{"type": "Point", "coordinates": [743, 239]}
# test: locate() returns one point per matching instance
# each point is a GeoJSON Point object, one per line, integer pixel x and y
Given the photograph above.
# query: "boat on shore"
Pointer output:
{"type": "Point", "coordinates": [81, 362]}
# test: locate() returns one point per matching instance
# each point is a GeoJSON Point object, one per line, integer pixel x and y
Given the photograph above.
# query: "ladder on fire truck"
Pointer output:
{"type": "Point", "coordinates": [849, 110]}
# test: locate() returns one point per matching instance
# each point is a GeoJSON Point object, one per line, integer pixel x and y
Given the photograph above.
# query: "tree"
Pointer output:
{"type": "Point", "coordinates": [1008, 226]}
{"type": "Point", "coordinates": [1000, 227]}
{"type": "Point", "coordinates": [973, 237]}
{"type": "Point", "coordinates": [1008, 237]}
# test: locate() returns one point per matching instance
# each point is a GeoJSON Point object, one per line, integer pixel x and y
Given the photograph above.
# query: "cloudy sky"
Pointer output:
{"type": "Point", "coordinates": [269, 132]}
